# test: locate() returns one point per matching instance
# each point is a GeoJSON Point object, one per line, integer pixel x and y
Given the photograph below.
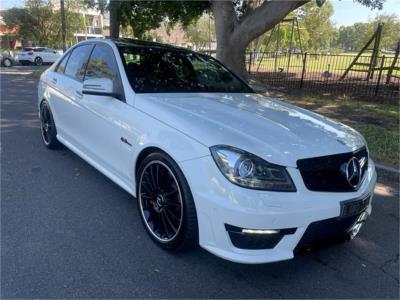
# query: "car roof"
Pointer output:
{"type": "Point", "coordinates": [127, 42]}
{"type": "Point", "coordinates": [141, 43]}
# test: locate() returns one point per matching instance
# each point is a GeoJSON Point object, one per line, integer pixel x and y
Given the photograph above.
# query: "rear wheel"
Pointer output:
{"type": "Point", "coordinates": [48, 127]}
{"type": "Point", "coordinates": [38, 61]}
{"type": "Point", "coordinates": [166, 204]}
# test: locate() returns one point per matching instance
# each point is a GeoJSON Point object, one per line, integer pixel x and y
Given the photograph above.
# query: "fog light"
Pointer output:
{"type": "Point", "coordinates": [256, 239]}
{"type": "Point", "coordinates": [260, 231]}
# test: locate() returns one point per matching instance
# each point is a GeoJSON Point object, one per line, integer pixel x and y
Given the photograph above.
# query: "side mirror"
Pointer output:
{"type": "Point", "coordinates": [99, 87]}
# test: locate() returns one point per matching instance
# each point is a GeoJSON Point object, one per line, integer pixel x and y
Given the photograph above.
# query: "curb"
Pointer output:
{"type": "Point", "coordinates": [387, 168]}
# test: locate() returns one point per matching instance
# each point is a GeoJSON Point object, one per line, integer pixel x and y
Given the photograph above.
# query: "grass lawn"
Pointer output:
{"type": "Point", "coordinates": [377, 122]}
{"type": "Point", "coordinates": [317, 63]}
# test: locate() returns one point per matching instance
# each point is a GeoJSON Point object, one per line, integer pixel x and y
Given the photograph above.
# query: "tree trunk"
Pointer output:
{"type": "Point", "coordinates": [230, 50]}
{"type": "Point", "coordinates": [234, 35]}
{"type": "Point", "coordinates": [114, 18]}
{"type": "Point", "coordinates": [234, 58]}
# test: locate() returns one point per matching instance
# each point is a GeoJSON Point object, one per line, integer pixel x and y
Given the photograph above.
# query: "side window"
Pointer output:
{"type": "Point", "coordinates": [102, 64]}
{"type": "Point", "coordinates": [77, 62]}
{"type": "Point", "coordinates": [61, 66]}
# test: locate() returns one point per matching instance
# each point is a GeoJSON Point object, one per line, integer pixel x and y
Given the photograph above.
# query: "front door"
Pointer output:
{"type": "Point", "coordinates": [102, 129]}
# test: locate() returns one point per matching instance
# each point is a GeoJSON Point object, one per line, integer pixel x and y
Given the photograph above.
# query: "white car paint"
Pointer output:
{"type": "Point", "coordinates": [185, 126]}
{"type": "Point", "coordinates": [48, 55]}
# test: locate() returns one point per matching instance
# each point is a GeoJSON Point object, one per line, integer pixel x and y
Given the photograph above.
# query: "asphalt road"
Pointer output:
{"type": "Point", "coordinates": [69, 232]}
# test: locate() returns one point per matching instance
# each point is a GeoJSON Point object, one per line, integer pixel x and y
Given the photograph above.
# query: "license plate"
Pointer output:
{"type": "Point", "coordinates": [354, 207]}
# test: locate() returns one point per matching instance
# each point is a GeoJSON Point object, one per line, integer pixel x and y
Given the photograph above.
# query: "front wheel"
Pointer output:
{"type": "Point", "coordinates": [166, 204]}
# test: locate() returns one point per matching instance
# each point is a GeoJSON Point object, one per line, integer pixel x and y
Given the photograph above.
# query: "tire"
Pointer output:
{"type": "Point", "coordinates": [165, 203]}
{"type": "Point", "coordinates": [38, 61]}
{"type": "Point", "coordinates": [7, 62]}
{"type": "Point", "coordinates": [48, 127]}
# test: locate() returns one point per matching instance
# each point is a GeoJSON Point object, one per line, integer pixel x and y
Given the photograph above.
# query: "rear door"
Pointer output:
{"type": "Point", "coordinates": [102, 114]}
{"type": "Point", "coordinates": [40, 52]}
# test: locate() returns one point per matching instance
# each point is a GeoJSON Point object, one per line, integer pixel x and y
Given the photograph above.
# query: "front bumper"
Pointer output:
{"type": "Point", "coordinates": [220, 203]}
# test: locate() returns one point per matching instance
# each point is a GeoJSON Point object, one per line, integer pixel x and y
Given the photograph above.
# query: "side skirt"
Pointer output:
{"type": "Point", "coordinates": [99, 168]}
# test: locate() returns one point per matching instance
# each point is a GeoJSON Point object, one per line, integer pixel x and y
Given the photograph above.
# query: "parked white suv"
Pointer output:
{"type": "Point", "coordinates": [249, 178]}
{"type": "Point", "coordinates": [37, 55]}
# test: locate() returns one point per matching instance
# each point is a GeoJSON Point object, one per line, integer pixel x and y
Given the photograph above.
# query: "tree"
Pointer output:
{"type": "Point", "coordinates": [40, 22]}
{"type": "Point", "coordinates": [354, 37]}
{"type": "Point", "coordinates": [317, 25]}
{"type": "Point", "coordinates": [200, 33]}
{"type": "Point", "coordinates": [142, 16]}
{"type": "Point", "coordinates": [236, 28]}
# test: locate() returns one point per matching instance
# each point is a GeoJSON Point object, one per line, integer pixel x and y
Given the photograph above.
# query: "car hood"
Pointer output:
{"type": "Point", "coordinates": [274, 130]}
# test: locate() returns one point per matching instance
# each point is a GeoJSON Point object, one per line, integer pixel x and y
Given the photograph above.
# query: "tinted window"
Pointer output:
{"type": "Point", "coordinates": [38, 49]}
{"type": "Point", "coordinates": [156, 70]}
{"type": "Point", "coordinates": [27, 49]}
{"type": "Point", "coordinates": [61, 67]}
{"type": "Point", "coordinates": [77, 62]}
{"type": "Point", "coordinates": [101, 64]}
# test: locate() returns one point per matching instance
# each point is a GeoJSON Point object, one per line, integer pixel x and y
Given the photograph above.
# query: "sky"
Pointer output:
{"type": "Point", "coordinates": [347, 12]}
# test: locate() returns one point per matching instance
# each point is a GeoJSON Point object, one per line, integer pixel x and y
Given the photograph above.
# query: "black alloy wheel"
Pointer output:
{"type": "Point", "coordinates": [38, 61]}
{"type": "Point", "coordinates": [48, 128]}
{"type": "Point", "coordinates": [165, 203]}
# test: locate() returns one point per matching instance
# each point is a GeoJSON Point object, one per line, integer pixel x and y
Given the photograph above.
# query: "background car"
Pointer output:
{"type": "Point", "coordinates": [6, 59]}
{"type": "Point", "coordinates": [37, 55]}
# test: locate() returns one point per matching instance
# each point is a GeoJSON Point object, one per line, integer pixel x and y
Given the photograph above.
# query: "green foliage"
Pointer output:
{"type": "Point", "coordinates": [199, 33]}
{"type": "Point", "coordinates": [142, 16]}
{"type": "Point", "coordinates": [39, 22]}
{"type": "Point", "coordinates": [315, 26]}
{"type": "Point", "coordinates": [101, 5]}
{"type": "Point", "coordinates": [354, 37]}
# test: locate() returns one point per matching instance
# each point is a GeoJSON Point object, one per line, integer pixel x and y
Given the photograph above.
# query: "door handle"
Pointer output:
{"type": "Point", "coordinates": [54, 80]}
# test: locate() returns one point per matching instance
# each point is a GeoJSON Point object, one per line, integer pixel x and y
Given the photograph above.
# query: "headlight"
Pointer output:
{"type": "Point", "coordinates": [249, 171]}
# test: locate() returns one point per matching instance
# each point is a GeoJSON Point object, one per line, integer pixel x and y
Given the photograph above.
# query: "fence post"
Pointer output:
{"type": "Point", "coordinates": [304, 70]}
{"type": "Point", "coordinates": [380, 75]}
{"type": "Point", "coordinates": [251, 54]}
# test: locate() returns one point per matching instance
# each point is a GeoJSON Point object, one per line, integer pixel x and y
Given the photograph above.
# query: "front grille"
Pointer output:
{"type": "Point", "coordinates": [324, 173]}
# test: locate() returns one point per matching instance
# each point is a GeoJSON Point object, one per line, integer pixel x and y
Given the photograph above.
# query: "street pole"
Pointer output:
{"type": "Point", "coordinates": [64, 43]}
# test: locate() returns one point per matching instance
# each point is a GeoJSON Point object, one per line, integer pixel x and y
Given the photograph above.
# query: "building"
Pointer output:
{"type": "Point", "coordinates": [96, 26]}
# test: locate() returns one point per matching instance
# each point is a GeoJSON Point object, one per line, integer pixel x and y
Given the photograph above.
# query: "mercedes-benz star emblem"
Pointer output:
{"type": "Point", "coordinates": [353, 172]}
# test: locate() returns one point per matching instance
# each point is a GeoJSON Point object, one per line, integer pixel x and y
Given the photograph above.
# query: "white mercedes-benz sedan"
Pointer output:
{"type": "Point", "coordinates": [210, 162]}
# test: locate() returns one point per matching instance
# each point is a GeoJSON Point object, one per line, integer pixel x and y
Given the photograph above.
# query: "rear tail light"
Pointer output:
{"type": "Point", "coordinates": [30, 52]}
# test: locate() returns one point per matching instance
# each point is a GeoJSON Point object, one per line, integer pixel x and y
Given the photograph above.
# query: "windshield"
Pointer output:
{"type": "Point", "coordinates": [158, 70]}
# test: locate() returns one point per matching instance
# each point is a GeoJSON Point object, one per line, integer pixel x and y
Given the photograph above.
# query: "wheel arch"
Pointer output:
{"type": "Point", "coordinates": [143, 154]}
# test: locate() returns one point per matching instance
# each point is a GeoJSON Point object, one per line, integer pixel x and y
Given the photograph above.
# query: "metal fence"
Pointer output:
{"type": "Point", "coordinates": [323, 73]}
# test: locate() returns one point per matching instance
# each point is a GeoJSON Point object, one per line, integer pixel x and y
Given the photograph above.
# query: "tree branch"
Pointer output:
{"type": "Point", "coordinates": [264, 17]}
